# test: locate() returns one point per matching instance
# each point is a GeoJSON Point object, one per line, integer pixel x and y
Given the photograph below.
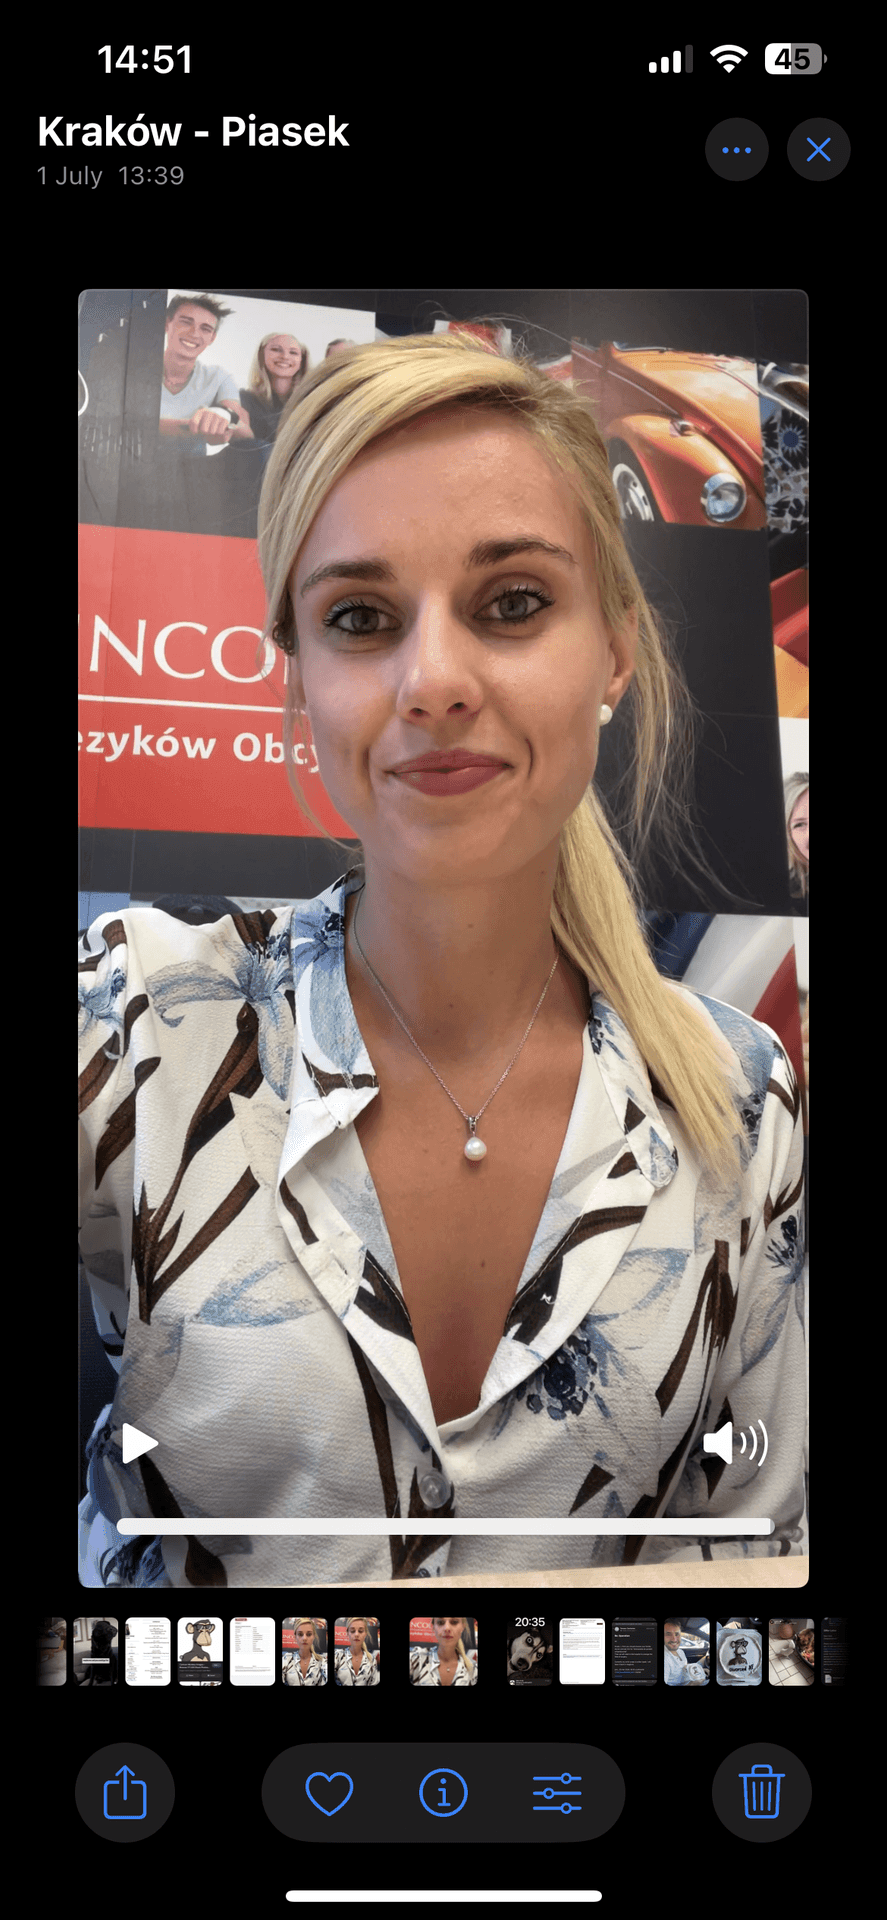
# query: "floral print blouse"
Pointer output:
{"type": "Point", "coordinates": [367, 1674]}
{"type": "Point", "coordinates": [425, 1669]}
{"type": "Point", "coordinates": [246, 1290]}
{"type": "Point", "coordinates": [313, 1676]}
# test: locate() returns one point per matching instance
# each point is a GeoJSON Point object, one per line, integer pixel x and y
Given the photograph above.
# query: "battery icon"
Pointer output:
{"type": "Point", "coordinates": [783, 56]}
{"type": "Point", "coordinates": [676, 62]}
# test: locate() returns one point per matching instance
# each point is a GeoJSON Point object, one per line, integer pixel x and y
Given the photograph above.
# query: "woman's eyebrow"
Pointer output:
{"type": "Point", "coordinates": [485, 554]}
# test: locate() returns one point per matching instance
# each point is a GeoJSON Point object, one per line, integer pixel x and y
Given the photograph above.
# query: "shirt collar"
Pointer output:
{"type": "Point", "coordinates": [333, 1078]}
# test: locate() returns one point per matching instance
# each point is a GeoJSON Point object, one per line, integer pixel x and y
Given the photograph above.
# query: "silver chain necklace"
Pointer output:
{"type": "Point", "coordinates": [475, 1150]}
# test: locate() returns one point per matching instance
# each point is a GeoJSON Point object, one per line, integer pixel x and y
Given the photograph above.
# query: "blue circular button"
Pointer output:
{"type": "Point", "coordinates": [442, 1793]}
{"type": "Point", "coordinates": [737, 149]}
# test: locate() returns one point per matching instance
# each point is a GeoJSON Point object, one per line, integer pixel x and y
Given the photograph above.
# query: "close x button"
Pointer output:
{"type": "Point", "coordinates": [444, 1789]}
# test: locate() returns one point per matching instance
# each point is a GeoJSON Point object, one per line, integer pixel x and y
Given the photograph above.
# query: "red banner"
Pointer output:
{"type": "Point", "coordinates": [180, 723]}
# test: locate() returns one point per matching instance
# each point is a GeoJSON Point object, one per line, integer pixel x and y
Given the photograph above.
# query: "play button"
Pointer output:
{"type": "Point", "coordinates": [135, 1443]}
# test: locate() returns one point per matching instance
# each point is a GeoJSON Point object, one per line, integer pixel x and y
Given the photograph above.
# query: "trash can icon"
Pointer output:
{"type": "Point", "coordinates": [761, 1789]}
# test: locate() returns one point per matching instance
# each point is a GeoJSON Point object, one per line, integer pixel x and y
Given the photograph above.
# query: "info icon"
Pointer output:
{"type": "Point", "coordinates": [736, 149]}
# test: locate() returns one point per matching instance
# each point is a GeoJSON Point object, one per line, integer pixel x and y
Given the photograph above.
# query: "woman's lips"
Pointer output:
{"type": "Point", "coordinates": [452, 780]}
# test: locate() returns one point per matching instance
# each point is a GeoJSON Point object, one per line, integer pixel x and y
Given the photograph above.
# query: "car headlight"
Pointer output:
{"type": "Point", "coordinates": [723, 497]}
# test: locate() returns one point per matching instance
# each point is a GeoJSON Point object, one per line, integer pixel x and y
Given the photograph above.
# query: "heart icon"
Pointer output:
{"type": "Point", "coordinates": [329, 1777]}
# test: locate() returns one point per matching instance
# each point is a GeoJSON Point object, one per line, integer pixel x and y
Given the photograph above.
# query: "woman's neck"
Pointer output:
{"type": "Point", "coordinates": [464, 965]}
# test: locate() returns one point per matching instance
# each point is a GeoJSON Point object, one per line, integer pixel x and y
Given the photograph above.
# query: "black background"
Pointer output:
{"type": "Point", "coordinates": [548, 156]}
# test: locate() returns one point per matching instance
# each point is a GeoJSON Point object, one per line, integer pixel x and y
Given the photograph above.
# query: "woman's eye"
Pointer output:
{"type": "Point", "coordinates": [514, 612]}
{"type": "Point", "coordinates": [520, 594]}
{"type": "Point", "coordinates": [335, 614]}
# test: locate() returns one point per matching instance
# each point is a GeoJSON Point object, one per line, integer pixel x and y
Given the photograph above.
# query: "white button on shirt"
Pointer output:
{"type": "Point", "coordinates": [237, 1254]}
{"type": "Point", "coordinates": [434, 1490]}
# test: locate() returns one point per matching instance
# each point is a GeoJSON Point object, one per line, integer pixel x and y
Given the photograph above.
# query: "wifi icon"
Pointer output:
{"type": "Point", "coordinates": [728, 57]}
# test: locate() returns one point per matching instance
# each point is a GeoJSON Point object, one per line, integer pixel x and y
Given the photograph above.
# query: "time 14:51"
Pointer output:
{"type": "Point", "coordinates": [163, 61]}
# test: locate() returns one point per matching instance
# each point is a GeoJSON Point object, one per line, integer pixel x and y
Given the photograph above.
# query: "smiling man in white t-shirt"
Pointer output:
{"type": "Point", "coordinates": [199, 405]}
{"type": "Point", "coordinates": [679, 1672]}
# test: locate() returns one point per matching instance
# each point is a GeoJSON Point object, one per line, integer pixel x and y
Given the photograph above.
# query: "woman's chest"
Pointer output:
{"type": "Point", "coordinates": [461, 1231]}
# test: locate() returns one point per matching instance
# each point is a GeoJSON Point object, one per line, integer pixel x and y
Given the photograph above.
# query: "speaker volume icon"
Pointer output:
{"type": "Point", "coordinates": [722, 1442]}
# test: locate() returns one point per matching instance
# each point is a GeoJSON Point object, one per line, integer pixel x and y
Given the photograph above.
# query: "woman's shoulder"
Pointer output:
{"type": "Point", "coordinates": [153, 989]}
{"type": "Point", "coordinates": [255, 403]}
{"type": "Point", "coordinates": [160, 937]}
{"type": "Point", "coordinates": [155, 932]}
{"type": "Point", "coordinates": [144, 950]}
{"type": "Point", "coordinates": [749, 1047]}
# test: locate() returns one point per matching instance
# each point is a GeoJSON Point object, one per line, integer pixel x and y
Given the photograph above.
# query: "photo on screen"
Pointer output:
{"type": "Point", "coordinates": [51, 1645]}
{"type": "Point", "coordinates": [740, 1652]}
{"type": "Point", "coordinates": [251, 1651]}
{"type": "Point", "coordinates": [304, 1651]}
{"type": "Point", "coordinates": [635, 1645]}
{"type": "Point", "coordinates": [95, 1653]}
{"type": "Point", "coordinates": [582, 1652]}
{"type": "Point", "coordinates": [266, 523]}
{"type": "Point", "coordinates": [357, 1651]}
{"type": "Point", "coordinates": [530, 1642]}
{"type": "Point", "coordinates": [147, 1643]}
{"type": "Point", "coordinates": [833, 1641]}
{"type": "Point", "coordinates": [199, 1661]}
{"type": "Point", "coordinates": [791, 1653]}
{"type": "Point", "coordinates": [685, 1659]}
{"type": "Point", "coordinates": [443, 1651]}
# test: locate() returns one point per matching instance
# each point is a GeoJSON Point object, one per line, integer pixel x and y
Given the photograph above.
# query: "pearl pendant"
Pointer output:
{"type": "Point", "coordinates": [475, 1149]}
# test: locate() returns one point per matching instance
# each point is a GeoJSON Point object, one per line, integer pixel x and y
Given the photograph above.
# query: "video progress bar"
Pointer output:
{"type": "Point", "coordinates": [308, 1529]}
{"type": "Point", "coordinates": [448, 1894]}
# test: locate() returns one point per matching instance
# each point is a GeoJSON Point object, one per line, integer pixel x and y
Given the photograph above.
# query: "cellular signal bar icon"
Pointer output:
{"type": "Point", "coordinates": [676, 62]}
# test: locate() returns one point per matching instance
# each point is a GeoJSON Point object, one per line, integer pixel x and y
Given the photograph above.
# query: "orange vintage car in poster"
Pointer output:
{"type": "Point", "coordinates": [683, 432]}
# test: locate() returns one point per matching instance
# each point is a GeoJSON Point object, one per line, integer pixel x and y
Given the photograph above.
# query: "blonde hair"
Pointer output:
{"type": "Point", "coordinates": [352, 1617]}
{"type": "Point", "coordinates": [795, 786]}
{"type": "Point", "coordinates": [349, 401]}
{"type": "Point", "coordinates": [305, 1620]}
{"type": "Point", "coordinates": [459, 1646]}
{"type": "Point", "coordinates": [259, 378]}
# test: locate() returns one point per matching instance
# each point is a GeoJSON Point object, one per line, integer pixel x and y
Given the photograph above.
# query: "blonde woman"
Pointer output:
{"type": "Point", "coordinates": [797, 833]}
{"type": "Point", "coordinates": [305, 1667]}
{"type": "Point", "coordinates": [446, 1664]}
{"type": "Point", "coordinates": [522, 1218]}
{"type": "Point", "coordinates": [280, 362]}
{"type": "Point", "coordinates": [356, 1666]}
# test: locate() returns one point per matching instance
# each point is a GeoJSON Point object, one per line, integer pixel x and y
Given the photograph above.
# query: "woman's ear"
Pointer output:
{"type": "Point", "coordinates": [294, 681]}
{"type": "Point", "coordinates": [623, 651]}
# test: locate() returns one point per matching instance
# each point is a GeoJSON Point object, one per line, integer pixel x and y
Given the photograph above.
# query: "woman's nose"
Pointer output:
{"type": "Point", "coordinates": [442, 666]}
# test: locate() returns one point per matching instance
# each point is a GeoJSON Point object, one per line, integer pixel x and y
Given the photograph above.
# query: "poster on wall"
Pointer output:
{"type": "Point", "coordinates": [183, 788]}
{"type": "Point", "coordinates": [183, 794]}
{"type": "Point", "coordinates": [180, 702]}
